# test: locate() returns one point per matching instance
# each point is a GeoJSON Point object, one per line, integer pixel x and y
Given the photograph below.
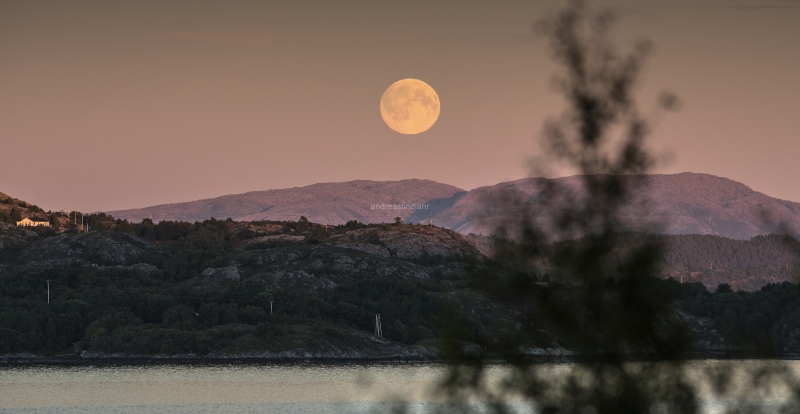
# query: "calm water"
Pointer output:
{"type": "Point", "coordinates": [218, 389]}
{"type": "Point", "coordinates": [240, 389]}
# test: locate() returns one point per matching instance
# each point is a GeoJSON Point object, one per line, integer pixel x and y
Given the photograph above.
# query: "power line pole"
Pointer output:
{"type": "Point", "coordinates": [378, 331]}
{"type": "Point", "coordinates": [270, 307]}
{"type": "Point", "coordinates": [48, 291]}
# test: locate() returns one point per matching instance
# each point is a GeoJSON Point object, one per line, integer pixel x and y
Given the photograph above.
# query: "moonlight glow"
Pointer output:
{"type": "Point", "coordinates": [410, 106]}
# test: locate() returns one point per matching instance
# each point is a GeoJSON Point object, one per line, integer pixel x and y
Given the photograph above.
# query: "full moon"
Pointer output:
{"type": "Point", "coordinates": [410, 106]}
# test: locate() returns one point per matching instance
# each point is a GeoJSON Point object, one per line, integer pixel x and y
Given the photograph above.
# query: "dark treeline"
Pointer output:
{"type": "Point", "coordinates": [711, 260]}
{"type": "Point", "coordinates": [168, 230]}
{"type": "Point", "coordinates": [124, 311]}
{"type": "Point", "coordinates": [765, 320]}
{"type": "Point", "coordinates": [120, 309]}
{"type": "Point", "coordinates": [744, 264]}
{"type": "Point", "coordinates": [695, 252]}
{"type": "Point", "coordinates": [115, 309]}
{"type": "Point", "coordinates": [157, 312]}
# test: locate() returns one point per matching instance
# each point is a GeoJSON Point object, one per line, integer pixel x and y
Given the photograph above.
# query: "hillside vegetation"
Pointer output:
{"type": "Point", "coordinates": [297, 289]}
{"type": "Point", "coordinates": [13, 210]}
{"type": "Point", "coordinates": [206, 287]}
{"type": "Point", "coordinates": [744, 265]}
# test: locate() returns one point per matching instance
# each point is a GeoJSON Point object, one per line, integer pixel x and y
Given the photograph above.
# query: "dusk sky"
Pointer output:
{"type": "Point", "coordinates": [110, 105]}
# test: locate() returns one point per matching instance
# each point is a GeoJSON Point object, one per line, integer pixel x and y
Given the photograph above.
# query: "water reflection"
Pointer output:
{"type": "Point", "coordinates": [353, 388]}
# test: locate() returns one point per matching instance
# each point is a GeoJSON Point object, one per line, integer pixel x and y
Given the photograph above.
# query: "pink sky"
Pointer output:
{"type": "Point", "coordinates": [111, 105]}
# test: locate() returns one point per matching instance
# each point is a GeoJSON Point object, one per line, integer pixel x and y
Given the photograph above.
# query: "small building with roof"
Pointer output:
{"type": "Point", "coordinates": [33, 222]}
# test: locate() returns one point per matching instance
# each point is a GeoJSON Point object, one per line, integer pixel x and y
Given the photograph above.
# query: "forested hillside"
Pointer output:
{"type": "Point", "coordinates": [711, 260]}
{"type": "Point", "coordinates": [299, 289]}
{"type": "Point", "coordinates": [269, 288]}
{"type": "Point", "coordinates": [743, 264]}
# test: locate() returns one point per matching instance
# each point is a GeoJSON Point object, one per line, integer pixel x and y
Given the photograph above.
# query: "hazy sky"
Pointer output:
{"type": "Point", "coordinates": [107, 105]}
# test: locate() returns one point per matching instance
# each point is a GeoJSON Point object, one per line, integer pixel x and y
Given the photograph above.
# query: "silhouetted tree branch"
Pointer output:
{"type": "Point", "coordinates": [630, 342]}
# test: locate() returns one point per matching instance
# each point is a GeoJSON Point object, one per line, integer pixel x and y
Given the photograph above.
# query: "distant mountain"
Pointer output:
{"type": "Point", "coordinates": [332, 203]}
{"type": "Point", "coordinates": [687, 203]}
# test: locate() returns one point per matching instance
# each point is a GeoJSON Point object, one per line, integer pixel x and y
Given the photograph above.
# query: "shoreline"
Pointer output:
{"type": "Point", "coordinates": [34, 360]}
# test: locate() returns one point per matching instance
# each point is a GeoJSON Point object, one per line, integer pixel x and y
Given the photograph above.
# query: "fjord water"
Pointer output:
{"type": "Point", "coordinates": [234, 389]}
{"type": "Point", "coordinates": [217, 388]}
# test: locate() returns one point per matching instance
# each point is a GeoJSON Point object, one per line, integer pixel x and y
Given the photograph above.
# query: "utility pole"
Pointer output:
{"type": "Point", "coordinates": [378, 331]}
{"type": "Point", "coordinates": [48, 291]}
{"type": "Point", "coordinates": [270, 307]}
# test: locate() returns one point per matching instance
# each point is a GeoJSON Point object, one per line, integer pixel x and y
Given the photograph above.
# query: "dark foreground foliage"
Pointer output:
{"type": "Point", "coordinates": [633, 347]}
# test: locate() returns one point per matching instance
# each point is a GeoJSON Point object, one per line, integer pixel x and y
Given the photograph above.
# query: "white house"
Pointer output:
{"type": "Point", "coordinates": [34, 221]}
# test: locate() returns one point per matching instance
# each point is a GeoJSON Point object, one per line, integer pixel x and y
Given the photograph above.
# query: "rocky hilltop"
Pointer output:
{"type": "Point", "coordinates": [408, 242]}
{"type": "Point", "coordinates": [98, 248]}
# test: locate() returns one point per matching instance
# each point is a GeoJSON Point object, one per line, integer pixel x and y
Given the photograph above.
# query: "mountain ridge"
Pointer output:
{"type": "Point", "coordinates": [692, 203]}
{"type": "Point", "coordinates": [334, 203]}
{"type": "Point", "coordinates": [684, 203]}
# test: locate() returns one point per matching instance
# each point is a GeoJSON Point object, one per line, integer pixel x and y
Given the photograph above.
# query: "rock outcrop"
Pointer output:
{"type": "Point", "coordinates": [271, 239]}
{"type": "Point", "coordinates": [296, 280]}
{"type": "Point", "coordinates": [12, 236]}
{"type": "Point", "coordinates": [224, 273]}
{"type": "Point", "coordinates": [104, 248]}
{"type": "Point", "coordinates": [408, 242]}
{"type": "Point", "coordinates": [322, 266]}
